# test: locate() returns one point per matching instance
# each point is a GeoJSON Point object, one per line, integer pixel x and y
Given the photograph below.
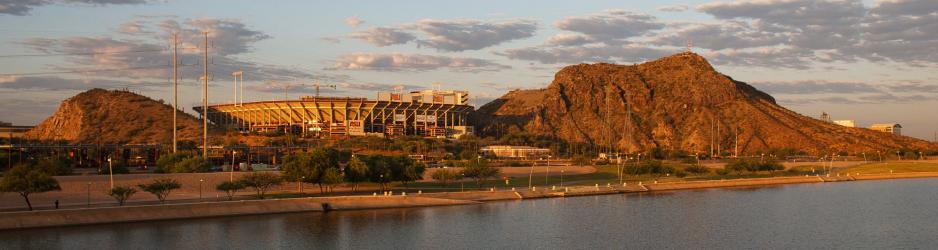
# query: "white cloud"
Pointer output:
{"type": "Point", "coordinates": [611, 25]}
{"type": "Point", "coordinates": [23, 7]}
{"type": "Point", "coordinates": [354, 21]}
{"type": "Point", "coordinates": [673, 8]}
{"type": "Point", "coordinates": [462, 35]}
{"type": "Point", "coordinates": [383, 36]}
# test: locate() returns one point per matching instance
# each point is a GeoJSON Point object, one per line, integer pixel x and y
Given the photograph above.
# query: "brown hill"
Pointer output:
{"type": "Point", "coordinates": [115, 117]}
{"type": "Point", "coordinates": [678, 103]}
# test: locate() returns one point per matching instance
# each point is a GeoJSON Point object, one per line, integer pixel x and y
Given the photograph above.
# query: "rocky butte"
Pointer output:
{"type": "Point", "coordinates": [677, 102]}
{"type": "Point", "coordinates": [100, 116]}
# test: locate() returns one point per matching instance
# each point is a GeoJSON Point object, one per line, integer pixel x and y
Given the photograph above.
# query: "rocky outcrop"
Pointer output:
{"type": "Point", "coordinates": [676, 103]}
{"type": "Point", "coordinates": [115, 117]}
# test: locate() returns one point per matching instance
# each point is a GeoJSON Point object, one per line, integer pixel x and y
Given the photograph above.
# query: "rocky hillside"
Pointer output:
{"type": "Point", "coordinates": [678, 103]}
{"type": "Point", "coordinates": [107, 117]}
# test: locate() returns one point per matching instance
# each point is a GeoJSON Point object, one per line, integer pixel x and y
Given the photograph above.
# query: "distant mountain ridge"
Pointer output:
{"type": "Point", "coordinates": [677, 102]}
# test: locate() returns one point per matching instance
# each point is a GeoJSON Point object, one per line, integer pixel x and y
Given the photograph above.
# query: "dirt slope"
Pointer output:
{"type": "Point", "coordinates": [679, 103]}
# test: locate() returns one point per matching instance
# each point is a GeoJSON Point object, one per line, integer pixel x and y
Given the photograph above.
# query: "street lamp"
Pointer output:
{"type": "Point", "coordinates": [547, 172]}
{"type": "Point", "coordinates": [561, 178]}
{"type": "Point", "coordinates": [231, 173]}
{"type": "Point", "coordinates": [299, 186]}
{"type": "Point", "coordinates": [462, 184]}
{"type": "Point", "coordinates": [200, 189]}
{"type": "Point", "coordinates": [110, 170]}
{"type": "Point", "coordinates": [89, 194]}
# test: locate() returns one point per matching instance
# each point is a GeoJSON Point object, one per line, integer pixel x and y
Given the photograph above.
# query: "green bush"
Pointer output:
{"type": "Point", "coordinates": [230, 188]}
{"type": "Point", "coordinates": [723, 171]}
{"type": "Point", "coordinates": [160, 188]}
{"type": "Point", "coordinates": [697, 169]}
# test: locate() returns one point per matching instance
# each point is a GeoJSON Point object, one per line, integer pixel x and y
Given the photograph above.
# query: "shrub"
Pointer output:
{"type": "Point", "coordinates": [723, 171]}
{"type": "Point", "coordinates": [121, 194]}
{"type": "Point", "coordinates": [480, 170]}
{"type": "Point", "coordinates": [160, 188]}
{"type": "Point", "coordinates": [230, 188]}
{"type": "Point", "coordinates": [697, 169]}
{"type": "Point", "coordinates": [260, 182]}
{"type": "Point", "coordinates": [445, 175]}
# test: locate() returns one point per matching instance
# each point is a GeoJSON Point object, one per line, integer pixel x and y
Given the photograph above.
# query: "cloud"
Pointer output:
{"type": "Point", "coordinates": [383, 36]}
{"type": "Point", "coordinates": [725, 35]}
{"type": "Point", "coordinates": [23, 7]}
{"type": "Point", "coordinates": [611, 25]}
{"type": "Point", "coordinates": [413, 62]}
{"type": "Point", "coordinates": [59, 83]}
{"type": "Point", "coordinates": [585, 54]}
{"type": "Point", "coordinates": [767, 57]}
{"type": "Point", "coordinates": [354, 21]}
{"type": "Point", "coordinates": [914, 88]}
{"type": "Point", "coordinates": [462, 35]}
{"type": "Point", "coordinates": [146, 56]}
{"type": "Point", "coordinates": [673, 8]}
{"type": "Point", "coordinates": [816, 87]}
{"type": "Point", "coordinates": [568, 39]}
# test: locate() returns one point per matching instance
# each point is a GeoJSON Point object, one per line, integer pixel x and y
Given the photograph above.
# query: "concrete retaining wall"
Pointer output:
{"type": "Point", "coordinates": [731, 183]}
{"type": "Point", "coordinates": [48, 218]}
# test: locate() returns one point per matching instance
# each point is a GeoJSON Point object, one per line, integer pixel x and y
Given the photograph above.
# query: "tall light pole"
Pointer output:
{"type": "Point", "coordinates": [110, 170]}
{"type": "Point", "coordinates": [205, 99]}
{"type": "Point", "coordinates": [200, 189]}
{"type": "Point", "coordinates": [175, 92]}
{"type": "Point", "coordinates": [231, 173]}
{"type": "Point", "coordinates": [238, 77]}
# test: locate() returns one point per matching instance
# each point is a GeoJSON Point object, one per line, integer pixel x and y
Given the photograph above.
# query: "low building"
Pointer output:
{"type": "Point", "coordinates": [523, 152]}
{"type": "Point", "coordinates": [846, 123]}
{"type": "Point", "coordinates": [7, 130]}
{"type": "Point", "coordinates": [893, 128]}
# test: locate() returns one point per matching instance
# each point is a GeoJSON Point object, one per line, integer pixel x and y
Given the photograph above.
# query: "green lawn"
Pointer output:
{"type": "Point", "coordinates": [895, 167]}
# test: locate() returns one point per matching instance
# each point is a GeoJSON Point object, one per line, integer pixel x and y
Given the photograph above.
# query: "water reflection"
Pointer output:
{"type": "Point", "coordinates": [875, 214]}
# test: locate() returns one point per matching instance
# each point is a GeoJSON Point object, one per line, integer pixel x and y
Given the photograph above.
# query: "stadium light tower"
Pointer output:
{"type": "Point", "coordinates": [238, 75]}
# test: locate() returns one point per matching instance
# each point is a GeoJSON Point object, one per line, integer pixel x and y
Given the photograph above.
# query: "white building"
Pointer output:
{"type": "Point", "coordinates": [846, 123]}
{"type": "Point", "coordinates": [893, 128]}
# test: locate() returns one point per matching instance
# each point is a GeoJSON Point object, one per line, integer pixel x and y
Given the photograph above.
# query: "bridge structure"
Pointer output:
{"type": "Point", "coordinates": [430, 113]}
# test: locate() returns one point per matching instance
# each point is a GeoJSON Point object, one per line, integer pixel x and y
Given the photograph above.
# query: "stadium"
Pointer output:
{"type": "Point", "coordinates": [429, 113]}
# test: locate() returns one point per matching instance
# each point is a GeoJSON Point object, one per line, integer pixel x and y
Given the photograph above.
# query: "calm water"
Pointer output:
{"type": "Point", "coordinates": [869, 215]}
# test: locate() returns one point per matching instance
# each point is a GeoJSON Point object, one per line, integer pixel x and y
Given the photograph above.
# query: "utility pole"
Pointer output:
{"type": "Point", "coordinates": [175, 92]}
{"type": "Point", "coordinates": [205, 99]}
{"type": "Point", "coordinates": [736, 142]}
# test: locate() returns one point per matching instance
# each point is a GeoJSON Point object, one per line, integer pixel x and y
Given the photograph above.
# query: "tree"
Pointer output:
{"type": "Point", "coordinates": [26, 180]}
{"type": "Point", "coordinates": [54, 165]}
{"type": "Point", "coordinates": [121, 194]}
{"type": "Point", "coordinates": [230, 188]}
{"type": "Point", "coordinates": [331, 178]}
{"type": "Point", "coordinates": [311, 167]}
{"type": "Point", "coordinates": [260, 182]}
{"type": "Point", "coordinates": [445, 175]}
{"type": "Point", "coordinates": [480, 170]}
{"type": "Point", "coordinates": [405, 169]}
{"type": "Point", "coordinates": [160, 187]}
{"type": "Point", "coordinates": [182, 163]}
{"type": "Point", "coordinates": [356, 172]}
{"type": "Point", "coordinates": [379, 169]}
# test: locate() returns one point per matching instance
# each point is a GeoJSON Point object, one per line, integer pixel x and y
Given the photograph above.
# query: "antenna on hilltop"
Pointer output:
{"type": "Point", "coordinates": [690, 45]}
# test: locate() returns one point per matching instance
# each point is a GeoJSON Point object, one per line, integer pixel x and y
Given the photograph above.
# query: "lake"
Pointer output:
{"type": "Point", "coordinates": [891, 214]}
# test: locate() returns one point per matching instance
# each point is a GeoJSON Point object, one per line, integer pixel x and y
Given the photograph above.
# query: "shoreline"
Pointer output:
{"type": "Point", "coordinates": [140, 213]}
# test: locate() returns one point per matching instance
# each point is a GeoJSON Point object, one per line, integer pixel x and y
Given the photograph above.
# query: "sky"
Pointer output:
{"type": "Point", "coordinates": [869, 61]}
